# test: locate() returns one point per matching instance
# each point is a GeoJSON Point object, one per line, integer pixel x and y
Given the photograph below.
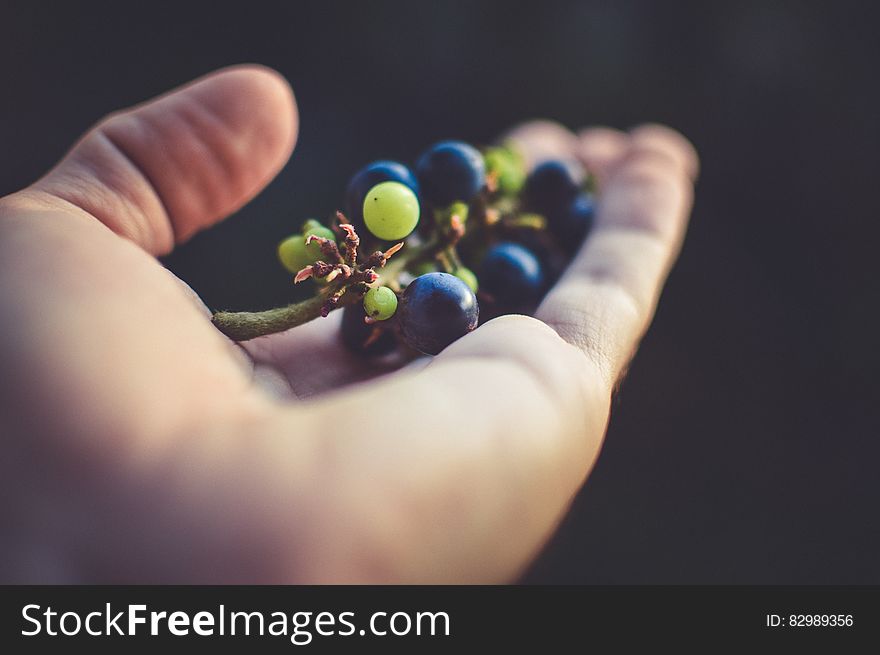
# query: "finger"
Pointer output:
{"type": "Point", "coordinates": [600, 149]}
{"type": "Point", "coordinates": [606, 299]}
{"type": "Point", "coordinates": [162, 171]}
{"type": "Point", "coordinates": [661, 139]}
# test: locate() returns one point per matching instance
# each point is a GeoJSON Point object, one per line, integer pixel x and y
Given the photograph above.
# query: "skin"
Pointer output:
{"type": "Point", "coordinates": [140, 445]}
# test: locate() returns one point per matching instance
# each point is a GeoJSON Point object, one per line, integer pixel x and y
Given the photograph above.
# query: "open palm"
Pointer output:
{"type": "Point", "coordinates": [142, 445]}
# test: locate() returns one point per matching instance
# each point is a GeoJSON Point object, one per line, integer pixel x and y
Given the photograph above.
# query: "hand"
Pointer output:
{"type": "Point", "coordinates": [140, 445]}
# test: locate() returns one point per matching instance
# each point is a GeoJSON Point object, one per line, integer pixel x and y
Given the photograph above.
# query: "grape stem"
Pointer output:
{"type": "Point", "coordinates": [243, 326]}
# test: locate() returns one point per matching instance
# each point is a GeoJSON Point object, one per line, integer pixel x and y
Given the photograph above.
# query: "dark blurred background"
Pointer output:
{"type": "Point", "coordinates": [744, 444]}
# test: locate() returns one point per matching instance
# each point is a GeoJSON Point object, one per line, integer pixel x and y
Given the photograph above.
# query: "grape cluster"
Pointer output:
{"type": "Point", "coordinates": [471, 228]}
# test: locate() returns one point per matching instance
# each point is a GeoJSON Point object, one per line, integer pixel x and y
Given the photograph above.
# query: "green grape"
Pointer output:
{"type": "Point", "coordinates": [391, 210]}
{"type": "Point", "coordinates": [313, 228]}
{"type": "Point", "coordinates": [508, 166]}
{"type": "Point", "coordinates": [293, 252]}
{"type": "Point", "coordinates": [380, 303]}
{"type": "Point", "coordinates": [310, 224]}
{"type": "Point", "coordinates": [467, 276]}
{"type": "Point", "coordinates": [443, 216]}
{"type": "Point", "coordinates": [459, 209]}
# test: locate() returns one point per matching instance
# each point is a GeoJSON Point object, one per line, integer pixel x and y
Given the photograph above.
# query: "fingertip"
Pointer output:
{"type": "Point", "coordinates": [271, 94]}
{"type": "Point", "coordinates": [601, 148]}
{"type": "Point", "coordinates": [257, 102]}
{"type": "Point", "coordinates": [670, 143]}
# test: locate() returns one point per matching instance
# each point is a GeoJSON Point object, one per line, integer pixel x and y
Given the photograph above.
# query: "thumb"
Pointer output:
{"type": "Point", "coordinates": [160, 172]}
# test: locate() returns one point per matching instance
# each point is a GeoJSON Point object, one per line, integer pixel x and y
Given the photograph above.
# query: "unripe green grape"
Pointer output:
{"type": "Point", "coordinates": [310, 224]}
{"type": "Point", "coordinates": [443, 215]}
{"type": "Point", "coordinates": [459, 209]}
{"type": "Point", "coordinates": [508, 167]}
{"type": "Point", "coordinates": [391, 211]}
{"type": "Point", "coordinates": [295, 255]}
{"type": "Point", "coordinates": [319, 230]}
{"type": "Point", "coordinates": [467, 276]}
{"type": "Point", "coordinates": [380, 303]}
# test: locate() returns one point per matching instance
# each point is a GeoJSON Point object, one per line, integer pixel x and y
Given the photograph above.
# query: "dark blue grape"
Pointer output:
{"type": "Point", "coordinates": [513, 276]}
{"type": "Point", "coordinates": [435, 310]}
{"type": "Point", "coordinates": [368, 177]}
{"type": "Point", "coordinates": [355, 334]}
{"type": "Point", "coordinates": [572, 223]}
{"type": "Point", "coordinates": [553, 185]}
{"type": "Point", "coordinates": [451, 171]}
{"type": "Point", "coordinates": [543, 245]}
